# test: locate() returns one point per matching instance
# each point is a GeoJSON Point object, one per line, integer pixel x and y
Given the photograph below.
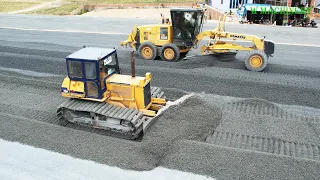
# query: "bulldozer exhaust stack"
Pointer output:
{"type": "Point", "coordinates": [133, 71]}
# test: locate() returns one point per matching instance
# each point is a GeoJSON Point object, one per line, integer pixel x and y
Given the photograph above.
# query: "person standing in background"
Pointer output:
{"type": "Point", "coordinates": [162, 17]}
{"type": "Point", "coordinates": [168, 21]}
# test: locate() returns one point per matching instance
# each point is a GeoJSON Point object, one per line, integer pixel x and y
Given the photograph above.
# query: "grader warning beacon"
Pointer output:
{"type": "Point", "coordinates": [101, 97]}
{"type": "Point", "coordinates": [170, 41]}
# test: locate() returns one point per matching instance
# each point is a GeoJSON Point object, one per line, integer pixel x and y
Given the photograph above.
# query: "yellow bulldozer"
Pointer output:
{"type": "Point", "coordinates": [173, 40]}
{"type": "Point", "coordinates": [101, 97]}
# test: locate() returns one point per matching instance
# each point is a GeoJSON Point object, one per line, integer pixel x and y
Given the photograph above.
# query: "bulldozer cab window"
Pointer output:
{"type": "Point", "coordinates": [75, 69]}
{"type": "Point", "coordinates": [90, 70]}
{"type": "Point", "coordinates": [92, 89]}
{"type": "Point", "coordinates": [109, 63]}
{"type": "Point", "coordinates": [102, 67]}
{"type": "Point", "coordinates": [103, 73]}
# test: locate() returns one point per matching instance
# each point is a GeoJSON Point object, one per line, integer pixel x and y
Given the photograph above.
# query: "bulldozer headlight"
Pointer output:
{"type": "Point", "coordinates": [63, 89]}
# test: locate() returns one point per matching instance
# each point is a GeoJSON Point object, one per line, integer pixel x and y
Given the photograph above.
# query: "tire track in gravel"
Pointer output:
{"type": "Point", "coordinates": [183, 67]}
{"type": "Point", "coordinates": [192, 63]}
{"type": "Point", "coordinates": [267, 145]}
{"type": "Point", "coordinates": [252, 106]}
{"type": "Point", "coordinates": [258, 125]}
{"type": "Point", "coordinates": [29, 51]}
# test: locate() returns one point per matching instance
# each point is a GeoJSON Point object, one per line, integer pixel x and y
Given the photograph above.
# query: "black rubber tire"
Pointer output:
{"type": "Point", "coordinates": [226, 57]}
{"type": "Point", "coordinates": [175, 50]}
{"type": "Point", "coordinates": [263, 56]}
{"type": "Point", "coordinates": [153, 49]}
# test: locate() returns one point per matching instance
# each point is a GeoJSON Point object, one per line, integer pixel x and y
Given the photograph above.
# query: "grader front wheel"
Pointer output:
{"type": "Point", "coordinates": [169, 52]}
{"type": "Point", "coordinates": [256, 60]}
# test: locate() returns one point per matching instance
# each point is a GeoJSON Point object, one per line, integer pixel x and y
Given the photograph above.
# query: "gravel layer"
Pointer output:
{"type": "Point", "coordinates": [283, 140]}
{"type": "Point", "coordinates": [176, 140]}
{"type": "Point", "coordinates": [229, 163]}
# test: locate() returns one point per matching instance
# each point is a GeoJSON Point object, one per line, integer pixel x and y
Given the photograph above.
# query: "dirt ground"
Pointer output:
{"type": "Point", "coordinates": [149, 13]}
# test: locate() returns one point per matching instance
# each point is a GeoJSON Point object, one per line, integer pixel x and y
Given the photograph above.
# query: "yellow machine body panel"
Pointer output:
{"type": "Point", "coordinates": [125, 89]}
{"type": "Point", "coordinates": [171, 40]}
{"type": "Point", "coordinates": [75, 89]}
{"type": "Point", "coordinates": [129, 90]}
{"type": "Point", "coordinates": [158, 34]}
{"type": "Point", "coordinates": [222, 46]}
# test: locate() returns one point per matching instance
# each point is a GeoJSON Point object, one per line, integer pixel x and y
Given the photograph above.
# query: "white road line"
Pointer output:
{"type": "Point", "coordinates": [69, 31]}
{"type": "Point", "coordinates": [37, 163]}
{"type": "Point", "coordinates": [297, 44]}
{"type": "Point", "coordinates": [115, 33]}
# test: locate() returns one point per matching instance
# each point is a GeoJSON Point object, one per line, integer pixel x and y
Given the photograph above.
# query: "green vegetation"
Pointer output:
{"type": "Point", "coordinates": [7, 6]}
{"type": "Point", "coordinates": [65, 9]}
{"type": "Point", "coordinates": [138, 1]}
{"type": "Point", "coordinates": [68, 6]}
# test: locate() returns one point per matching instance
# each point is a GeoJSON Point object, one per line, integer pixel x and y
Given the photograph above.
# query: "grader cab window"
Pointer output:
{"type": "Point", "coordinates": [75, 69]}
{"type": "Point", "coordinates": [186, 25]}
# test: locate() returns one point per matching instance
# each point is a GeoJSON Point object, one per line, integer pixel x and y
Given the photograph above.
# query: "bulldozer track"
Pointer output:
{"type": "Point", "coordinates": [51, 117]}
{"type": "Point", "coordinates": [268, 109]}
{"type": "Point", "coordinates": [266, 145]}
{"type": "Point", "coordinates": [107, 110]}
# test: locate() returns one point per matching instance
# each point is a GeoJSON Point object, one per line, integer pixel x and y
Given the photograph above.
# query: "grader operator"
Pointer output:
{"type": "Point", "coordinates": [170, 41]}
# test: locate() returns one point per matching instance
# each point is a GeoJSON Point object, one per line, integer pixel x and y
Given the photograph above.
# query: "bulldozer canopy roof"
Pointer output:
{"type": "Point", "coordinates": [91, 53]}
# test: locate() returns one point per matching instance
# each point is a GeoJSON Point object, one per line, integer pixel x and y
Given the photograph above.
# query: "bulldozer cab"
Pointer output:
{"type": "Point", "coordinates": [92, 66]}
{"type": "Point", "coordinates": [186, 24]}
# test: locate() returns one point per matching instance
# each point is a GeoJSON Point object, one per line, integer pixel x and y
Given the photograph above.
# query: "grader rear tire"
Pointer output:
{"type": "Point", "coordinates": [148, 51]}
{"type": "Point", "coordinates": [169, 52]}
{"type": "Point", "coordinates": [256, 60]}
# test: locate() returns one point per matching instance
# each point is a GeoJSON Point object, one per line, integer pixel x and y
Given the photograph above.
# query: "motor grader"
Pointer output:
{"type": "Point", "coordinates": [101, 97]}
{"type": "Point", "coordinates": [170, 41]}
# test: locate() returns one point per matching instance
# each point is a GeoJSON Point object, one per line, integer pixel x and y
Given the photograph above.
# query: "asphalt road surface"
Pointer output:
{"type": "Point", "coordinates": [239, 125]}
